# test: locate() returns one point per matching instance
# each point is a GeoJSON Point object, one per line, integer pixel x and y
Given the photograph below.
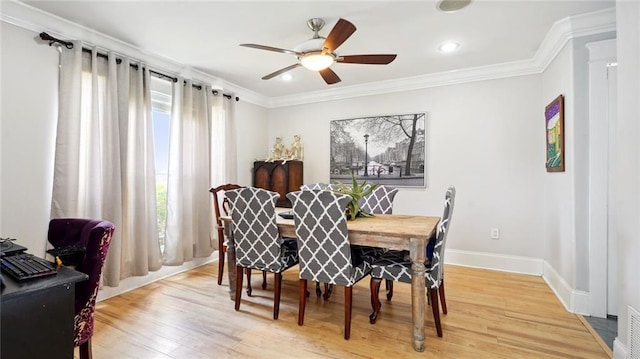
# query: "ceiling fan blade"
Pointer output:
{"type": "Point", "coordinates": [281, 71]}
{"type": "Point", "coordinates": [269, 48]}
{"type": "Point", "coordinates": [339, 34]}
{"type": "Point", "coordinates": [366, 59]}
{"type": "Point", "coordinates": [329, 76]}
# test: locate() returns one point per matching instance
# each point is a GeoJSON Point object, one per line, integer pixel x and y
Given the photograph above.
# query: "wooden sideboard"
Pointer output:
{"type": "Point", "coordinates": [278, 177]}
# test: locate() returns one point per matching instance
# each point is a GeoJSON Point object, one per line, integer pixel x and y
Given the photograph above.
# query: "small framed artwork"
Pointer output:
{"type": "Point", "coordinates": [554, 121]}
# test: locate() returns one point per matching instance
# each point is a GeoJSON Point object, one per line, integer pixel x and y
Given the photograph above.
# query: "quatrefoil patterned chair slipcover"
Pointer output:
{"type": "Point", "coordinates": [258, 243]}
{"type": "Point", "coordinates": [380, 201]}
{"type": "Point", "coordinates": [95, 236]}
{"type": "Point", "coordinates": [221, 206]}
{"type": "Point", "coordinates": [395, 265]}
{"type": "Point", "coordinates": [323, 246]}
{"type": "Point", "coordinates": [328, 290]}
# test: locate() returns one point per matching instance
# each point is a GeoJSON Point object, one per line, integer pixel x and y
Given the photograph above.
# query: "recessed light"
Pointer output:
{"type": "Point", "coordinates": [287, 77]}
{"type": "Point", "coordinates": [452, 5]}
{"type": "Point", "coordinates": [449, 46]}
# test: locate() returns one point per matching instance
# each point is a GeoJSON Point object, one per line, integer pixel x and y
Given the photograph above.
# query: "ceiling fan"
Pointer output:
{"type": "Point", "coordinates": [318, 53]}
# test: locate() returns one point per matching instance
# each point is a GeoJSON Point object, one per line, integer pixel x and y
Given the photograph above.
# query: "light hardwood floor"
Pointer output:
{"type": "Point", "coordinates": [491, 315]}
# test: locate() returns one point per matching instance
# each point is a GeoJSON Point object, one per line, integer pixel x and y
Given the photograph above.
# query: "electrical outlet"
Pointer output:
{"type": "Point", "coordinates": [495, 233]}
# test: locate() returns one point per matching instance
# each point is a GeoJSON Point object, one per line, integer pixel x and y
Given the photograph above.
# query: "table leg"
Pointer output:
{"type": "Point", "coordinates": [417, 252]}
{"type": "Point", "coordinates": [231, 264]}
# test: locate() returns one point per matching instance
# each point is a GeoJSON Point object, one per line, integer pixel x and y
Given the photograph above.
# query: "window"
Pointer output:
{"type": "Point", "coordinates": [161, 113]}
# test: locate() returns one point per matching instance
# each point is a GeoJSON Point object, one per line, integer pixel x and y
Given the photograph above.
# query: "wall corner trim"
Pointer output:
{"type": "Point", "coordinates": [574, 301]}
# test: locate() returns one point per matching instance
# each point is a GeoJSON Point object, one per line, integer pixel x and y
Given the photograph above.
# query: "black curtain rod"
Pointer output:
{"type": "Point", "coordinates": [69, 45]}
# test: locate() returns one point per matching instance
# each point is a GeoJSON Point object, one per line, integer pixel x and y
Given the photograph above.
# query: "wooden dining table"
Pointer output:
{"type": "Point", "coordinates": [391, 231]}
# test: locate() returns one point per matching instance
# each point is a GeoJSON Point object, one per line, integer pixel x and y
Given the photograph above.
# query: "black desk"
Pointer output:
{"type": "Point", "coordinates": [37, 316]}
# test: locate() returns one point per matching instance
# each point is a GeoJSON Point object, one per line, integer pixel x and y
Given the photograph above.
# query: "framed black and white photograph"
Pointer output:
{"type": "Point", "coordinates": [389, 150]}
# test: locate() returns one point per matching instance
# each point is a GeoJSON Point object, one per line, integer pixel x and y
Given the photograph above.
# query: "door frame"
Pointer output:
{"type": "Point", "coordinates": [601, 54]}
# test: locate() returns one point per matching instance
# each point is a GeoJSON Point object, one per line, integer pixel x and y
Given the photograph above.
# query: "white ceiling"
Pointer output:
{"type": "Point", "coordinates": [205, 35]}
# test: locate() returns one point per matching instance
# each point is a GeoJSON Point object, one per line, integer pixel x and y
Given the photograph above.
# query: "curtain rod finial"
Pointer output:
{"type": "Point", "coordinates": [46, 37]}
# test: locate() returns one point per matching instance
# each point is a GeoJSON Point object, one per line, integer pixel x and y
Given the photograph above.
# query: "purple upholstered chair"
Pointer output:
{"type": "Point", "coordinates": [93, 238]}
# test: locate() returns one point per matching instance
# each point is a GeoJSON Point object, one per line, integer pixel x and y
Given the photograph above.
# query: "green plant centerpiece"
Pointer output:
{"type": "Point", "coordinates": [356, 191]}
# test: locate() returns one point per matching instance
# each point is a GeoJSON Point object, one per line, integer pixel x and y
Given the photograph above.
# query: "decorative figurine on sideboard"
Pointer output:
{"type": "Point", "coordinates": [278, 151]}
{"type": "Point", "coordinates": [296, 149]}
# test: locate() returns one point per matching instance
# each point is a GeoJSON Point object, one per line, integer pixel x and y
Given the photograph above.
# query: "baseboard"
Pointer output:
{"type": "Point", "coordinates": [619, 350]}
{"type": "Point", "coordinates": [131, 283]}
{"type": "Point", "coordinates": [575, 301]}
{"type": "Point", "coordinates": [500, 262]}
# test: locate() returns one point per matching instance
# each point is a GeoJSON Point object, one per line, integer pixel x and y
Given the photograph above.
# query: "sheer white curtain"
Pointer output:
{"type": "Point", "coordinates": [188, 207]}
{"type": "Point", "coordinates": [223, 144]}
{"type": "Point", "coordinates": [224, 157]}
{"type": "Point", "coordinates": [104, 162]}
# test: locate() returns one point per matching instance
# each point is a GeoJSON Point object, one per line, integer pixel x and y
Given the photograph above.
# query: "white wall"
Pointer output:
{"type": "Point", "coordinates": [486, 138]}
{"type": "Point", "coordinates": [251, 130]}
{"type": "Point", "coordinates": [27, 135]}
{"type": "Point", "coordinates": [627, 175]}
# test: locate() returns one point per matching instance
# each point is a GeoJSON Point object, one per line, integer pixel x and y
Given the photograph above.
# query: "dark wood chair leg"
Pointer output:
{"type": "Point", "coordinates": [443, 301]}
{"type": "Point", "coordinates": [276, 296]}
{"type": "Point", "coordinates": [433, 292]}
{"type": "Point", "coordinates": [374, 284]}
{"type": "Point", "coordinates": [249, 289]}
{"type": "Point", "coordinates": [221, 255]}
{"type": "Point", "coordinates": [264, 279]}
{"type": "Point", "coordinates": [303, 300]}
{"type": "Point", "coordinates": [238, 286]}
{"type": "Point", "coordinates": [348, 295]}
{"type": "Point", "coordinates": [328, 290]}
{"type": "Point", "coordinates": [85, 350]}
{"type": "Point", "coordinates": [389, 284]}
{"type": "Point", "coordinates": [318, 290]}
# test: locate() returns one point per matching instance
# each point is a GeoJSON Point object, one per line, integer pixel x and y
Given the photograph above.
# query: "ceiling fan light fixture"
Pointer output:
{"type": "Point", "coordinates": [316, 61]}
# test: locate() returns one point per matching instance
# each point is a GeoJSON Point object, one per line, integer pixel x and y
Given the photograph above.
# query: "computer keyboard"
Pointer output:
{"type": "Point", "coordinates": [23, 266]}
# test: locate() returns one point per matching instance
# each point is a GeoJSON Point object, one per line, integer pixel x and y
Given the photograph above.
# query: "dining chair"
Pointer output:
{"type": "Point", "coordinates": [380, 201]}
{"type": "Point", "coordinates": [220, 207]}
{"type": "Point", "coordinates": [323, 246]}
{"type": "Point", "coordinates": [328, 289]}
{"type": "Point", "coordinates": [258, 244]}
{"type": "Point", "coordinates": [324, 187]}
{"type": "Point", "coordinates": [396, 265]}
{"type": "Point", "coordinates": [85, 243]}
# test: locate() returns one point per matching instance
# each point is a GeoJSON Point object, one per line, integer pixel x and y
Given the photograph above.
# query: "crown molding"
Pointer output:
{"type": "Point", "coordinates": [25, 16]}
{"type": "Point", "coordinates": [518, 68]}
{"type": "Point", "coordinates": [573, 27]}
{"type": "Point", "coordinates": [30, 18]}
{"type": "Point", "coordinates": [560, 33]}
